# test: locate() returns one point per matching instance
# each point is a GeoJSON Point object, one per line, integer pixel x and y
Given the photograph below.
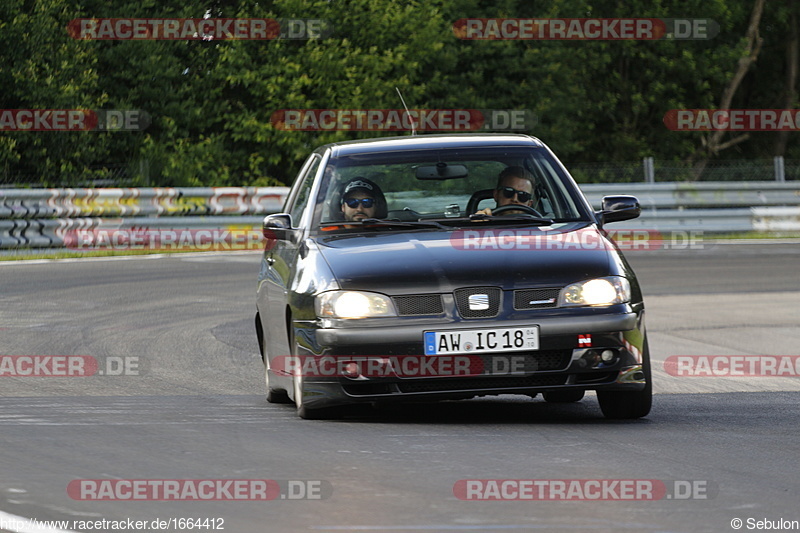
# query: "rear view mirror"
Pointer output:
{"type": "Point", "coordinates": [622, 207]}
{"type": "Point", "coordinates": [441, 171]}
{"type": "Point", "coordinates": [278, 227]}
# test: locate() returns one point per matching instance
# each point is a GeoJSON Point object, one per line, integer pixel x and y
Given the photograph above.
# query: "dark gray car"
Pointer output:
{"type": "Point", "coordinates": [386, 279]}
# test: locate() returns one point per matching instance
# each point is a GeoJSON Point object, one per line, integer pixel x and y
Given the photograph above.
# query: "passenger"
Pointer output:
{"type": "Point", "coordinates": [514, 187]}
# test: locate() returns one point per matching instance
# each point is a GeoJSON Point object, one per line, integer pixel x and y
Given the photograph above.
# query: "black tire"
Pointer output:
{"type": "Point", "coordinates": [260, 337]}
{"type": "Point", "coordinates": [278, 397]}
{"type": "Point", "coordinates": [564, 396]}
{"type": "Point", "coordinates": [303, 411]}
{"type": "Point", "coordinates": [273, 396]}
{"type": "Point", "coordinates": [327, 413]}
{"type": "Point", "coordinates": [629, 405]}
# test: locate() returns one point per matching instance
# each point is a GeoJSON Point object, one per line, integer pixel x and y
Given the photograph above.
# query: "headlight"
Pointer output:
{"type": "Point", "coordinates": [600, 291]}
{"type": "Point", "coordinates": [353, 304]}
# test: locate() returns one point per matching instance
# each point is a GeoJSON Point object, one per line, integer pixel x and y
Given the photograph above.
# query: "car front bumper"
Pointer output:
{"type": "Point", "coordinates": [563, 361]}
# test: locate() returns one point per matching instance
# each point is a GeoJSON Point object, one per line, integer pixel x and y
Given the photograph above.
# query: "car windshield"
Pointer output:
{"type": "Point", "coordinates": [435, 187]}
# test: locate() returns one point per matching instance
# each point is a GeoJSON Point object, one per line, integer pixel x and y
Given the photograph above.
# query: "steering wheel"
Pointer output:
{"type": "Point", "coordinates": [528, 210]}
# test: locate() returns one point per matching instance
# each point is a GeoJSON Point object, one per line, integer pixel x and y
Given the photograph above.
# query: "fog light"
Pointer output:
{"type": "Point", "coordinates": [351, 370]}
{"type": "Point", "coordinates": [607, 355]}
{"type": "Point", "coordinates": [589, 360]}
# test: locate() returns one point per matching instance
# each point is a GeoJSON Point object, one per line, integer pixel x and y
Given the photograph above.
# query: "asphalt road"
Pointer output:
{"type": "Point", "coordinates": [196, 409]}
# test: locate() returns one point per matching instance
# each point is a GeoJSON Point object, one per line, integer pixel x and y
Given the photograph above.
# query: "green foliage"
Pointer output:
{"type": "Point", "coordinates": [211, 102]}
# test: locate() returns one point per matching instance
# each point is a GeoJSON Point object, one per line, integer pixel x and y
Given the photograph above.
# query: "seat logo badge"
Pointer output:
{"type": "Point", "coordinates": [478, 302]}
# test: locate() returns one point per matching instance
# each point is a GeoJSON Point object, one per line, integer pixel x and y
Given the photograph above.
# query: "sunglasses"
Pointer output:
{"type": "Point", "coordinates": [352, 203]}
{"type": "Point", "coordinates": [509, 192]}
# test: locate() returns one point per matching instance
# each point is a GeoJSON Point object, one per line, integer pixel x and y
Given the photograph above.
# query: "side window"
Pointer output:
{"type": "Point", "coordinates": [300, 200]}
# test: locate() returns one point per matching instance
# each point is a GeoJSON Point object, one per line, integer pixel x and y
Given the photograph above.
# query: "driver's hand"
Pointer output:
{"type": "Point", "coordinates": [486, 211]}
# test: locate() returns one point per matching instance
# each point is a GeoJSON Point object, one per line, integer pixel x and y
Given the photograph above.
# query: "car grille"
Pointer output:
{"type": "Point", "coordinates": [536, 361]}
{"type": "Point", "coordinates": [433, 385]}
{"type": "Point", "coordinates": [445, 385]}
{"type": "Point", "coordinates": [532, 362]}
{"type": "Point", "coordinates": [471, 297]}
{"type": "Point", "coordinates": [536, 298]}
{"type": "Point", "coordinates": [424, 304]}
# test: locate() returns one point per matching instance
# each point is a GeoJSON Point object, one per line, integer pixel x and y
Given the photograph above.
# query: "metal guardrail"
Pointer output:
{"type": "Point", "coordinates": [167, 201]}
{"type": "Point", "coordinates": [71, 232]}
{"type": "Point", "coordinates": [769, 219]}
{"type": "Point", "coordinates": [714, 207]}
{"type": "Point", "coordinates": [39, 218]}
{"type": "Point", "coordinates": [681, 195]}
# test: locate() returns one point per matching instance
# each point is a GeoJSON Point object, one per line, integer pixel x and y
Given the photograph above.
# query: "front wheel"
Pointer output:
{"type": "Point", "coordinates": [628, 405]}
{"type": "Point", "coordinates": [274, 396]}
{"type": "Point", "coordinates": [304, 412]}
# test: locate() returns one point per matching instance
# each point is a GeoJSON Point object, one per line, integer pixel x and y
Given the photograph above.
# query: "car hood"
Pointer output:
{"type": "Point", "coordinates": [401, 262]}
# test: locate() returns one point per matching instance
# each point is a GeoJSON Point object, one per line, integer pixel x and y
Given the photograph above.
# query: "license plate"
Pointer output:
{"type": "Point", "coordinates": [481, 340]}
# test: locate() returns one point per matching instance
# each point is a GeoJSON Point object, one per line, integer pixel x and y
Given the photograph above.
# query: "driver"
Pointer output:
{"type": "Point", "coordinates": [514, 187]}
{"type": "Point", "coordinates": [362, 198]}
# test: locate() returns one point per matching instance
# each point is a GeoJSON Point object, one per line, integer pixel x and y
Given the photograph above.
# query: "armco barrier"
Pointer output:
{"type": "Point", "coordinates": [59, 232]}
{"type": "Point", "coordinates": [776, 218]}
{"type": "Point", "coordinates": [682, 195]}
{"type": "Point", "coordinates": [70, 203]}
{"type": "Point", "coordinates": [39, 218]}
{"type": "Point", "coordinates": [714, 207]}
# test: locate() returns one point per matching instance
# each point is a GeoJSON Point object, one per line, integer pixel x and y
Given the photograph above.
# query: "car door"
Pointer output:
{"type": "Point", "coordinates": [280, 261]}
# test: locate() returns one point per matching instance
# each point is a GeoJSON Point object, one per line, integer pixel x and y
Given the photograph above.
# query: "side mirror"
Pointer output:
{"type": "Point", "coordinates": [278, 227]}
{"type": "Point", "coordinates": [616, 208]}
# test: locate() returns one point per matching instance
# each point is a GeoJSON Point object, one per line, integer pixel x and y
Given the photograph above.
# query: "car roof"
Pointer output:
{"type": "Point", "coordinates": [428, 142]}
